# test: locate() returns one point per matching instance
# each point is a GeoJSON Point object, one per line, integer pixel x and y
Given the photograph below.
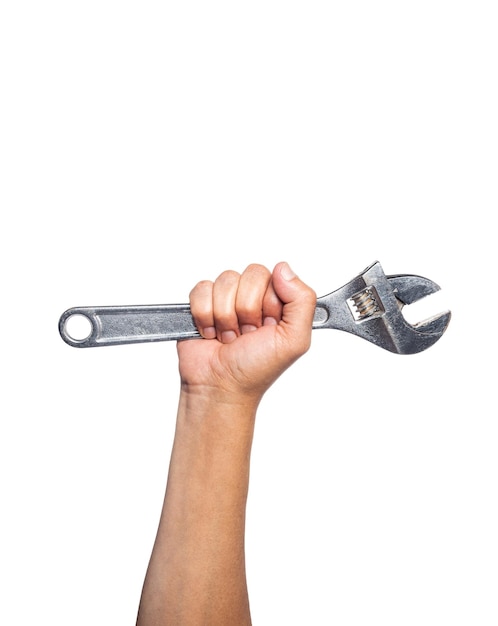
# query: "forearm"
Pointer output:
{"type": "Point", "coordinates": [196, 573]}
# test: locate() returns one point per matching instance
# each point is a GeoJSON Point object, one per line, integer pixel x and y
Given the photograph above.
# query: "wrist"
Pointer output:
{"type": "Point", "coordinates": [207, 399]}
{"type": "Point", "coordinates": [216, 420]}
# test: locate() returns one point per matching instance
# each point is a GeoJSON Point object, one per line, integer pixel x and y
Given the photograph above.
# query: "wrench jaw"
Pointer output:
{"type": "Point", "coordinates": [370, 306]}
{"type": "Point", "coordinates": [435, 325]}
{"type": "Point", "coordinates": [408, 289]}
{"type": "Point", "coordinates": [422, 335]}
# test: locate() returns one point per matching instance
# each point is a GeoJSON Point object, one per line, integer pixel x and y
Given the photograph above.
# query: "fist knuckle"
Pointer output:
{"type": "Point", "coordinates": [228, 277]}
{"type": "Point", "coordinates": [201, 287]}
{"type": "Point", "coordinates": [258, 270]}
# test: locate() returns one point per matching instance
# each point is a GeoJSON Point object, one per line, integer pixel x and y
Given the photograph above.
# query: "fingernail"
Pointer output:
{"type": "Point", "coordinates": [248, 328]}
{"type": "Point", "coordinates": [209, 333]}
{"type": "Point", "coordinates": [227, 336]}
{"type": "Point", "coordinates": [286, 272]}
{"type": "Point", "coordinates": [269, 321]}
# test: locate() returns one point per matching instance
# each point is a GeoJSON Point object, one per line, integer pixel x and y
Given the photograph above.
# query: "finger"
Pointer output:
{"type": "Point", "coordinates": [299, 302]}
{"type": "Point", "coordinates": [224, 297]}
{"type": "Point", "coordinates": [201, 307]}
{"type": "Point", "coordinates": [250, 294]}
{"type": "Point", "coordinates": [272, 306]}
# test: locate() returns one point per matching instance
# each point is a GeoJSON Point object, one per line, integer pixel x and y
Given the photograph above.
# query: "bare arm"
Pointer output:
{"type": "Point", "coordinates": [259, 323]}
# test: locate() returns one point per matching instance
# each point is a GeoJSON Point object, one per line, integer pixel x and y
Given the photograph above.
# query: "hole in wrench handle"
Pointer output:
{"type": "Point", "coordinates": [115, 325]}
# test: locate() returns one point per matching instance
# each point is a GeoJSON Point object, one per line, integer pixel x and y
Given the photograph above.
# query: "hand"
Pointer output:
{"type": "Point", "coordinates": [255, 325]}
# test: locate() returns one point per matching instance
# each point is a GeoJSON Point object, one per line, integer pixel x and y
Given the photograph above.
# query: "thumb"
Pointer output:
{"type": "Point", "coordinates": [299, 301]}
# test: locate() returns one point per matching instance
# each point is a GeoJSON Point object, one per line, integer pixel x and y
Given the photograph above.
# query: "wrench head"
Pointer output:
{"type": "Point", "coordinates": [395, 292]}
{"type": "Point", "coordinates": [371, 304]}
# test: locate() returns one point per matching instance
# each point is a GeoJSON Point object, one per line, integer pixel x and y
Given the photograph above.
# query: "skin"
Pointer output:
{"type": "Point", "coordinates": [256, 324]}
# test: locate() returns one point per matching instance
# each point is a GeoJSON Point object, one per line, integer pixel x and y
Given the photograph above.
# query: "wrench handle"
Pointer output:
{"type": "Point", "coordinates": [114, 325]}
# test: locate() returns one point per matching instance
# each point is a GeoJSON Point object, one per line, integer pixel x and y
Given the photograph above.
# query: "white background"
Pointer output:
{"type": "Point", "coordinates": [145, 146]}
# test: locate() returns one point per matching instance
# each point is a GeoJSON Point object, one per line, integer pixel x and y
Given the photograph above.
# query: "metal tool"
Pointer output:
{"type": "Point", "coordinates": [369, 306]}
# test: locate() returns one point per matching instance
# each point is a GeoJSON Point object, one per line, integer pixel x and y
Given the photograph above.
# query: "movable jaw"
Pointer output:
{"type": "Point", "coordinates": [370, 306]}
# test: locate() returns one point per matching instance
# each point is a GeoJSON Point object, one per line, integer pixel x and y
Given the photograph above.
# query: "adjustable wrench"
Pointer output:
{"type": "Point", "coordinates": [369, 306]}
